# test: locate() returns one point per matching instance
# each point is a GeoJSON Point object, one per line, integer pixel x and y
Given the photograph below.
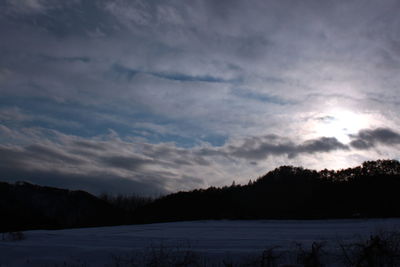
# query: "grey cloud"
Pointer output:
{"type": "Point", "coordinates": [259, 148]}
{"type": "Point", "coordinates": [40, 165]}
{"type": "Point", "coordinates": [191, 161]}
{"type": "Point", "coordinates": [65, 155]}
{"type": "Point", "coordinates": [200, 41]}
{"type": "Point", "coordinates": [38, 155]}
{"type": "Point", "coordinates": [253, 149]}
{"type": "Point", "coordinates": [160, 167]}
{"type": "Point", "coordinates": [50, 154]}
{"type": "Point", "coordinates": [61, 18]}
{"type": "Point", "coordinates": [265, 98]}
{"type": "Point", "coordinates": [150, 168]}
{"type": "Point", "coordinates": [13, 114]}
{"type": "Point", "coordinates": [369, 138]}
{"type": "Point", "coordinates": [68, 59]}
{"type": "Point", "coordinates": [170, 155]}
{"type": "Point", "coordinates": [24, 6]}
{"type": "Point", "coordinates": [262, 150]}
{"type": "Point", "coordinates": [90, 145]}
{"type": "Point", "coordinates": [125, 162]}
{"type": "Point", "coordinates": [12, 158]}
{"type": "Point", "coordinates": [323, 144]}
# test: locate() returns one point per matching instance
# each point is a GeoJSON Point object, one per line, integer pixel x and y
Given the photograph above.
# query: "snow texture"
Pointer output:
{"type": "Point", "coordinates": [213, 239]}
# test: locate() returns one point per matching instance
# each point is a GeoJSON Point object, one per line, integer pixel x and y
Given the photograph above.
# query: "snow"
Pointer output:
{"type": "Point", "coordinates": [216, 239]}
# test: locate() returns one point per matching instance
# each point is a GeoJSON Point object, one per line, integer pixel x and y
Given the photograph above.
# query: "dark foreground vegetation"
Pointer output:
{"type": "Point", "coordinates": [379, 250]}
{"type": "Point", "coordinates": [370, 190]}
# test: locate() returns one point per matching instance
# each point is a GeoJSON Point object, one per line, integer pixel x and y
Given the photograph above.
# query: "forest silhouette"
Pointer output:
{"type": "Point", "coordinates": [367, 191]}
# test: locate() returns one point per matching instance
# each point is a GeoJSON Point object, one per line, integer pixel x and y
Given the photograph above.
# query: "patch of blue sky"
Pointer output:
{"type": "Point", "coordinates": [156, 138]}
{"type": "Point", "coordinates": [183, 141]}
{"type": "Point", "coordinates": [185, 134]}
{"type": "Point", "coordinates": [69, 118]}
{"type": "Point", "coordinates": [215, 139]}
{"type": "Point", "coordinates": [89, 121]}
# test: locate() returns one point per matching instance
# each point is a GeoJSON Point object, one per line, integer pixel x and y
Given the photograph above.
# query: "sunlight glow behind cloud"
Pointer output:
{"type": "Point", "coordinates": [341, 123]}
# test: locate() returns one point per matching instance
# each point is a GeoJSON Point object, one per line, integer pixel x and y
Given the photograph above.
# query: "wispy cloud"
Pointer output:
{"type": "Point", "coordinates": [151, 168]}
{"type": "Point", "coordinates": [189, 88]}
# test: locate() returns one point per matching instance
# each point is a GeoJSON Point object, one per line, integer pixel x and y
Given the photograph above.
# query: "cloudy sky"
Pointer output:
{"type": "Point", "coordinates": [155, 96]}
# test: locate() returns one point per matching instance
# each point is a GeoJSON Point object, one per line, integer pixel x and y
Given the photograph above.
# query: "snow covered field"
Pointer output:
{"type": "Point", "coordinates": [113, 246]}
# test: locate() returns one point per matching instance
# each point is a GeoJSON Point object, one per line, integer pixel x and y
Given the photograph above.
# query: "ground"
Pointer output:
{"type": "Point", "coordinates": [214, 240]}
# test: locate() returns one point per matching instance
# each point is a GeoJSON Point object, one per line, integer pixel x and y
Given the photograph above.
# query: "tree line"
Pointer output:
{"type": "Point", "coordinates": [369, 190]}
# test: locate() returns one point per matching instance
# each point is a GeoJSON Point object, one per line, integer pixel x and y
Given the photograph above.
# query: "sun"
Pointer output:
{"type": "Point", "coordinates": [339, 123]}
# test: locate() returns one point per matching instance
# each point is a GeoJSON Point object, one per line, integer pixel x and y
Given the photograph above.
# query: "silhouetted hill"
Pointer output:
{"type": "Point", "coordinates": [370, 190]}
{"type": "Point", "coordinates": [27, 206]}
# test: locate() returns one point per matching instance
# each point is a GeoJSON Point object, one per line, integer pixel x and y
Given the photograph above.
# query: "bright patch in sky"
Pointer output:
{"type": "Point", "coordinates": [340, 123]}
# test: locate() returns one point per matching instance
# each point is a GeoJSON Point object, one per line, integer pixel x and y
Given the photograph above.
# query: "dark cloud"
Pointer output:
{"type": "Point", "coordinates": [124, 162]}
{"type": "Point", "coordinates": [42, 165]}
{"type": "Point", "coordinates": [323, 144]}
{"type": "Point", "coordinates": [121, 166]}
{"type": "Point", "coordinates": [90, 145]}
{"type": "Point", "coordinates": [137, 165]}
{"type": "Point", "coordinates": [262, 148]}
{"type": "Point", "coordinates": [118, 166]}
{"type": "Point", "coordinates": [258, 148]}
{"type": "Point", "coordinates": [12, 158]}
{"type": "Point", "coordinates": [369, 138]}
{"type": "Point", "coordinates": [50, 154]}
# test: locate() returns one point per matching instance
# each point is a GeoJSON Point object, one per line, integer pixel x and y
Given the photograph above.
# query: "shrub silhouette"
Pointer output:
{"type": "Point", "coordinates": [381, 250]}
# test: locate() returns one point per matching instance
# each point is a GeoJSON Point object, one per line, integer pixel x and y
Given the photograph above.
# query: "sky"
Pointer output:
{"type": "Point", "coordinates": [152, 97]}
